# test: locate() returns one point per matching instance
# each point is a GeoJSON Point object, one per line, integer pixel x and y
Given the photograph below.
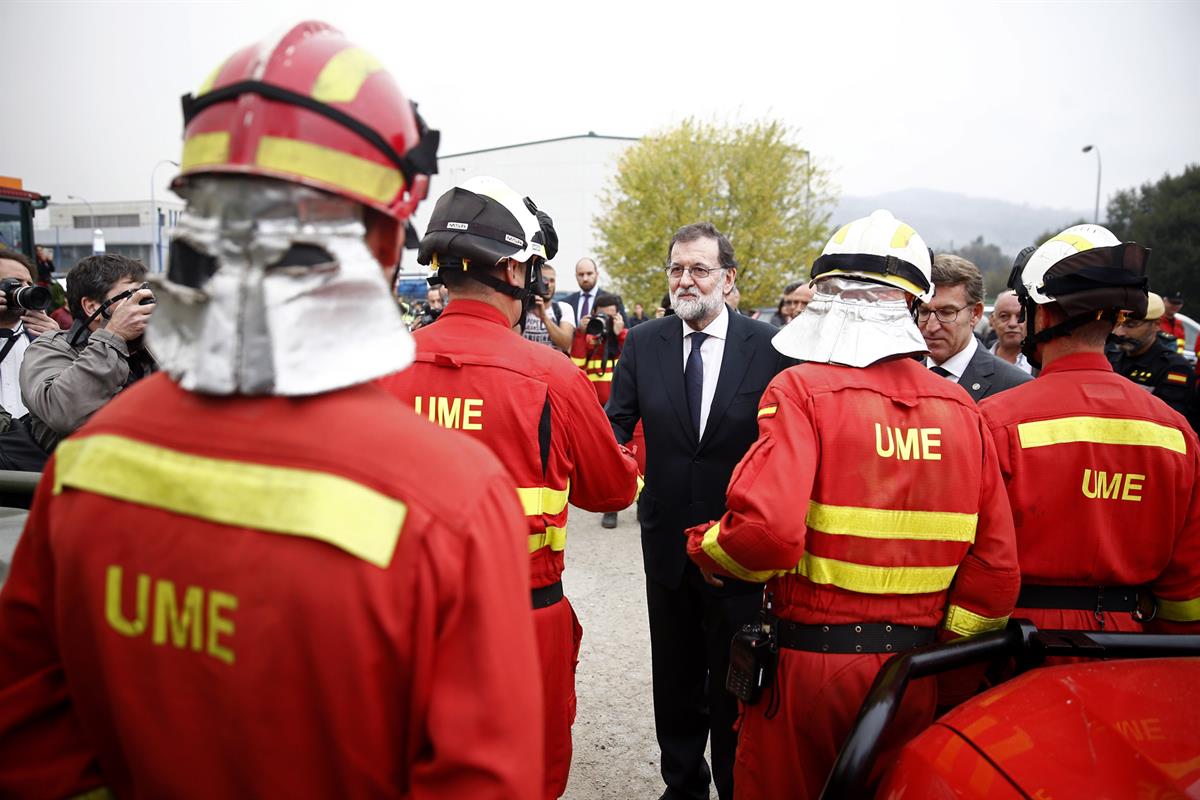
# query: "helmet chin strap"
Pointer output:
{"type": "Point", "coordinates": [525, 294]}
{"type": "Point", "coordinates": [1034, 337]}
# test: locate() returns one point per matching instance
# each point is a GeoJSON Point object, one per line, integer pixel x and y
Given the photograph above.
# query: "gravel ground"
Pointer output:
{"type": "Point", "coordinates": [616, 755]}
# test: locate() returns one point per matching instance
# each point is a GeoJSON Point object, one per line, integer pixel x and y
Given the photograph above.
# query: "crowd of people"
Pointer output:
{"type": "Point", "coordinates": [272, 561]}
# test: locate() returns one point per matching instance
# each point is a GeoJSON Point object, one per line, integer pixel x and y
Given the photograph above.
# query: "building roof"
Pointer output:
{"type": "Point", "coordinates": [588, 135]}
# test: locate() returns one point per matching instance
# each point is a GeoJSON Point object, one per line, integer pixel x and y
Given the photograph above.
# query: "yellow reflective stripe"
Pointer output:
{"type": "Point", "coordinates": [554, 538]}
{"type": "Point", "coordinates": [641, 484]}
{"type": "Point", "coordinates": [296, 502]}
{"type": "Point", "coordinates": [596, 377]}
{"type": "Point", "coordinates": [840, 236]}
{"type": "Point", "coordinates": [882, 523]}
{"type": "Point", "coordinates": [343, 75]}
{"type": "Point", "coordinates": [103, 793]}
{"type": "Point", "coordinates": [1075, 240]}
{"type": "Point", "coordinates": [713, 549]}
{"type": "Point", "coordinates": [205, 148]}
{"type": "Point", "coordinates": [902, 236]}
{"type": "Point", "coordinates": [579, 362]}
{"type": "Point", "coordinates": [767, 411]}
{"type": "Point", "coordinates": [967, 623]}
{"type": "Point", "coordinates": [869, 579]}
{"type": "Point", "coordinates": [1179, 610]}
{"type": "Point", "coordinates": [207, 86]}
{"type": "Point", "coordinates": [538, 500]}
{"type": "Point", "coordinates": [1100, 430]}
{"type": "Point", "coordinates": [363, 177]}
{"type": "Point", "coordinates": [600, 363]}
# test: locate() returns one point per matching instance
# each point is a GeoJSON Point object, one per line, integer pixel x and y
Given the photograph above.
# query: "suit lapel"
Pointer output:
{"type": "Point", "coordinates": [977, 377]}
{"type": "Point", "coordinates": [734, 363]}
{"type": "Point", "coordinates": [670, 366]}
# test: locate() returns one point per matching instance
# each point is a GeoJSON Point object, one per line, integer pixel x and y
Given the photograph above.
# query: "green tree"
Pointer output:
{"type": "Point", "coordinates": [760, 188]}
{"type": "Point", "coordinates": [1164, 216]}
{"type": "Point", "coordinates": [992, 262]}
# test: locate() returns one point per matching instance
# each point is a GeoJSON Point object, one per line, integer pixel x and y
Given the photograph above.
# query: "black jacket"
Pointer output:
{"type": "Point", "coordinates": [988, 374]}
{"type": "Point", "coordinates": [686, 480]}
{"type": "Point", "coordinates": [1162, 370]}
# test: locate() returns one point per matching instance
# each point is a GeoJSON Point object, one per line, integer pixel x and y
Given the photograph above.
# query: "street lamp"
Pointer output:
{"type": "Point", "coordinates": [97, 234]}
{"type": "Point", "coordinates": [1087, 149]}
{"type": "Point", "coordinates": [154, 211]}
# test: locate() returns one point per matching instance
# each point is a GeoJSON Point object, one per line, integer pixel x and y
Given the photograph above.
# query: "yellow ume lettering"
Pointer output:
{"type": "Point", "coordinates": [180, 623]}
{"type": "Point", "coordinates": [1100, 485]}
{"type": "Point", "coordinates": [908, 444]}
{"type": "Point", "coordinates": [464, 413]}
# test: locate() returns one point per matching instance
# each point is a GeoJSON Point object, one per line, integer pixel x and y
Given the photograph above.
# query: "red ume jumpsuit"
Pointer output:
{"type": "Point", "coordinates": [871, 496]}
{"type": "Point", "coordinates": [1104, 480]}
{"type": "Point", "coordinates": [537, 412]}
{"type": "Point", "coordinates": [269, 597]}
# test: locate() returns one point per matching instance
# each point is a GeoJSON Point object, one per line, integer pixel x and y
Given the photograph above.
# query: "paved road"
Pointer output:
{"type": "Point", "coordinates": [616, 755]}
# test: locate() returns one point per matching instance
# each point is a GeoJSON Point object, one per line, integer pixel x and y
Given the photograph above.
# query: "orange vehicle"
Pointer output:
{"type": "Point", "coordinates": [1122, 728]}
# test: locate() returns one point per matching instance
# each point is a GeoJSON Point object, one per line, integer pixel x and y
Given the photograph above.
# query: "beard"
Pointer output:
{"type": "Point", "coordinates": [695, 305]}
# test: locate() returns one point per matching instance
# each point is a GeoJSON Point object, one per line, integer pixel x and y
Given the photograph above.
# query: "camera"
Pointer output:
{"type": "Point", "coordinates": [423, 314]}
{"type": "Point", "coordinates": [145, 301]}
{"type": "Point", "coordinates": [600, 326]}
{"type": "Point", "coordinates": [30, 298]}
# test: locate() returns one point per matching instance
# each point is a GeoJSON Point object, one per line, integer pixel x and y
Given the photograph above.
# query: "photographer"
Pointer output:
{"type": "Point", "coordinates": [549, 321]}
{"type": "Point", "coordinates": [597, 344]}
{"type": "Point", "coordinates": [426, 312]}
{"type": "Point", "coordinates": [68, 375]}
{"type": "Point", "coordinates": [22, 319]}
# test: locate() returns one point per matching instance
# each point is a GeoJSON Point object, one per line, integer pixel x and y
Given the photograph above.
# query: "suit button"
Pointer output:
{"type": "Point", "coordinates": [697, 460]}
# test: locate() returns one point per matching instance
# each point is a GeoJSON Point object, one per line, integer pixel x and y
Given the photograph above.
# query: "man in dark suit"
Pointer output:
{"type": "Point", "coordinates": [694, 379]}
{"type": "Point", "coordinates": [583, 302]}
{"type": "Point", "coordinates": [948, 322]}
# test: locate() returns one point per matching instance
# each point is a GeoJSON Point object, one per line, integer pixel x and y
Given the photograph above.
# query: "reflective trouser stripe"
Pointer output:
{"type": "Point", "coordinates": [871, 579]}
{"type": "Point", "coordinates": [297, 502]}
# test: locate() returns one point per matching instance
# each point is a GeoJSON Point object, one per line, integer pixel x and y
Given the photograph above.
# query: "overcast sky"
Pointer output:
{"type": "Point", "coordinates": [988, 99]}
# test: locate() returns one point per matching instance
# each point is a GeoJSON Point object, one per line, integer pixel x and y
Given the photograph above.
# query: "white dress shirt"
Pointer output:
{"type": "Point", "coordinates": [1021, 363]}
{"type": "Point", "coordinates": [711, 353]}
{"type": "Point", "coordinates": [956, 364]}
{"type": "Point", "coordinates": [10, 373]}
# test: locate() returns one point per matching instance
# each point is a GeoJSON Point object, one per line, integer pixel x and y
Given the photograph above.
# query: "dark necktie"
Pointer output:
{"type": "Point", "coordinates": [587, 305]}
{"type": "Point", "coordinates": [945, 373]}
{"type": "Point", "coordinates": [693, 379]}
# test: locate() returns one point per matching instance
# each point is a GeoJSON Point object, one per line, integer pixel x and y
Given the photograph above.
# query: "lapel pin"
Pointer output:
{"type": "Point", "coordinates": [975, 386]}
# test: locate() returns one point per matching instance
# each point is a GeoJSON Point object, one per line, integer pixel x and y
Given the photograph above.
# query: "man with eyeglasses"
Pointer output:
{"type": "Point", "coordinates": [947, 324]}
{"type": "Point", "coordinates": [1141, 351]}
{"type": "Point", "coordinates": [694, 379]}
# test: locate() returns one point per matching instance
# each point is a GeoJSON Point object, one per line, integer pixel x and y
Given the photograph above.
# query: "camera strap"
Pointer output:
{"type": "Point", "coordinates": [10, 344]}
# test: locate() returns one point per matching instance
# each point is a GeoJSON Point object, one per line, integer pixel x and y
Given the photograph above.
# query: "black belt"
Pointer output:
{"type": "Point", "coordinates": [862, 637]}
{"type": "Point", "coordinates": [547, 595]}
{"type": "Point", "coordinates": [1132, 599]}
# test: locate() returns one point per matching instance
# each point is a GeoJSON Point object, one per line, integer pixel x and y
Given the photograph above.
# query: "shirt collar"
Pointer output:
{"type": "Point", "coordinates": [1021, 360]}
{"type": "Point", "coordinates": [718, 328]}
{"type": "Point", "coordinates": [477, 309]}
{"type": "Point", "coordinates": [956, 364]}
{"type": "Point", "coordinates": [1078, 361]}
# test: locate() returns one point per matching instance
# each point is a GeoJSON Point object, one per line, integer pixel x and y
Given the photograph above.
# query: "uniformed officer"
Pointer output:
{"type": "Point", "coordinates": [252, 575]}
{"type": "Point", "coordinates": [1146, 355]}
{"type": "Point", "coordinates": [1101, 475]}
{"type": "Point", "coordinates": [871, 505]}
{"type": "Point", "coordinates": [533, 408]}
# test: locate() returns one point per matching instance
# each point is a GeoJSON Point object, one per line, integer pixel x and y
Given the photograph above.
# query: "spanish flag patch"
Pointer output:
{"type": "Point", "coordinates": [1172, 377]}
{"type": "Point", "coordinates": [767, 411]}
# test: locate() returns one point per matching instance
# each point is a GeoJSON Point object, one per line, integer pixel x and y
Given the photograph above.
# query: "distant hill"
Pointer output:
{"type": "Point", "coordinates": [948, 219]}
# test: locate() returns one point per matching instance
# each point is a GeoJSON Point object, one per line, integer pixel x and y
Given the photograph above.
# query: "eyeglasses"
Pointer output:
{"type": "Point", "coordinates": [944, 315]}
{"type": "Point", "coordinates": [698, 273]}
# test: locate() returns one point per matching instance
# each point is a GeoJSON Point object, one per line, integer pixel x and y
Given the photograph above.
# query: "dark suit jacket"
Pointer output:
{"type": "Point", "coordinates": [988, 374]}
{"type": "Point", "coordinates": [573, 301]}
{"type": "Point", "coordinates": [686, 479]}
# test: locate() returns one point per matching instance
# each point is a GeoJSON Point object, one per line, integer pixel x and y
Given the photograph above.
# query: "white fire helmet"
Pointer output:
{"type": "Point", "coordinates": [866, 281]}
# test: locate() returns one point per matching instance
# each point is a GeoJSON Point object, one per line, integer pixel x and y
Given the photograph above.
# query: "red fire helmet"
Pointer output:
{"type": "Point", "coordinates": [314, 109]}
